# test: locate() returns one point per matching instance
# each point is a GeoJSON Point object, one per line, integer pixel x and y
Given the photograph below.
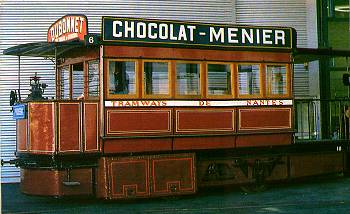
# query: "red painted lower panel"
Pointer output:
{"type": "Point", "coordinates": [213, 142]}
{"type": "Point", "coordinates": [204, 120]}
{"type": "Point", "coordinates": [128, 177]}
{"type": "Point", "coordinates": [41, 127]}
{"type": "Point", "coordinates": [22, 132]}
{"type": "Point", "coordinates": [265, 118]}
{"type": "Point", "coordinates": [51, 182]}
{"type": "Point", "coordinates": [146, 176]}
{"type": "Point", "coordinates": [101, 179]}
{"type": "Point", "coordinates": [91, 127]}
{"type": "Point", "coordinates": [173, 174]}
{"type": "Point", "coordinates": [263, 139]}
{"type": "Point", "coordinates": [69, 127]}
{"type": "Point", "coordinates": [137, 145]}
{"type": "Point", "coordinates": [303, 165]}
{"type": "Point", "coordinates": [139, 122]}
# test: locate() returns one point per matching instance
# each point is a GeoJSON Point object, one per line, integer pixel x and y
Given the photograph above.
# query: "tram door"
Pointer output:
{"type": "Point", "coordinates": [72, 82]}
{"type": "Point", "coordinates": [78, 108]}
{"type": "Point", "coordinates": [77, 81]}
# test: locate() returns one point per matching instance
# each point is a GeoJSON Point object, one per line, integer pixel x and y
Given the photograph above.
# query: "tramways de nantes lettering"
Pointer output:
{"type": "Point", "coordinates": [192, 103]}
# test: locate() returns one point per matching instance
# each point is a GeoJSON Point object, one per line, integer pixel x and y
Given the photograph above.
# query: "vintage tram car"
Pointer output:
{"type": "Point", "coordinates": [155, 108]}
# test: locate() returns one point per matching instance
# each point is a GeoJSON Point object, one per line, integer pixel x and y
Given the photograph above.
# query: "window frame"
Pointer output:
{"type": "Point", "coordinates": [86, 85]}
{"type": "Point", "coordinates": [59, 82]}
{"type": "Point", "coordinates": [175, 87]}
{"type": "Point", "coordinates": [261, 81]}
{"type": "Point", "coordinates": [170, 79]}
{"type": "Point", "coordinates": [72, 82]}
{"type": "Point", "coordinates": [116, 96]}
{"type": "Point", "coordinates": [232, 82]}
{"type": "Point", "coordinates": [268, 80]}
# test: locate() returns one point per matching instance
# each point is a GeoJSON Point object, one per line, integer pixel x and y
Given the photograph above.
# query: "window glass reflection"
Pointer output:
{"type": "Point", "coordinates": [156, 78]}
{"type": "Point", "coordinates": [276, 79]}
{"type": "Point", "coordinates": [249, 79]}
{"type": "Point", "coordinates": [93, 78]}
{"type": "Point", "coordinates": [122, 77]}
{"type": "Point", "coordinates": [187, 78]}
{"type": "Point", "coordinates": [64, 81]}
{"type": "Point", "coordinates": [219, 79]}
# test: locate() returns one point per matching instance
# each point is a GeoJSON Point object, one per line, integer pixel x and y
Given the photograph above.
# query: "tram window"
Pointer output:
{"type": "Point", "coordinates": [77, 80]}
{"type": "Point", "coordinates": [276, 79]}
{"type": "Point", "coordinates": [187, 78]}
{"type": "Point", "coordinates": [64, 82]}
{"type": "Point", "coordinates": [219, 79]}
{"type": "Point", "coordinates": [249, 79]}
{"type": "Point", "coordinates": [93, 78]}
{"type": "Point", "coordinates": [122, 77]}
{"type": "Point", "coordinates": [156, 78]}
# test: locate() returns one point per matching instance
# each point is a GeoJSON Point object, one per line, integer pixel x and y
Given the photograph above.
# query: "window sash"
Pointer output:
{"type": "Point", "coordinates": [188, 78]}
{"type": "Point", "coordinates": [64, 82]}
{"type": "Point", "coordinates": [156, 78]}
{"type": "Point", "coordinates": [276, 79]}
{"type": "Point", "coordinates": [249, 79]}
{"type": "Point", "coordinates": [77, 82]}
{"type": "Point", "coordinates": [122, 77]}
{"type": "Point", "coordinates": [93, 78]}
{"type": "Point", "coordinates": [219, 79]}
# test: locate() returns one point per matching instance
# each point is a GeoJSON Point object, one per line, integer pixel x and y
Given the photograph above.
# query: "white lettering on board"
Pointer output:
{"type": "Point", "coordinates": [216, 35]}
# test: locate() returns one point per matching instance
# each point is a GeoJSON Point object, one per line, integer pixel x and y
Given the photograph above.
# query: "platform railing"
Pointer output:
{"type": "Point", "coordinates": [317, 119]}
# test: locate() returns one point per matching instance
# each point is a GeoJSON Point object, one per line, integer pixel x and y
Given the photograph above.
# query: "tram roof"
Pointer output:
{"type": "Point", "coordinates": [302, 55]}
{"type": "Point", "coordinates": [42, 49]}
{"type": "Point", "coordinates": [48, 49]}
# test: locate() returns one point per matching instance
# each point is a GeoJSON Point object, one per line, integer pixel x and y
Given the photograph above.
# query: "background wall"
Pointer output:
{"type": "Point", "coordinates": [23, 21]}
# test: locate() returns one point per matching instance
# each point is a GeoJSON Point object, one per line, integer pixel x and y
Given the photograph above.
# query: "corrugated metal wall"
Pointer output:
{"type": "Point", "coordinates": [23, 21]}
{"type": "Point", "coordinates": [294, 14]}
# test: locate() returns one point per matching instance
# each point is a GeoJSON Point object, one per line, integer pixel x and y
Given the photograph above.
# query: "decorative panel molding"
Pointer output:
{"type": "Point", "coordinates": [139, 122]}
{"type": "Point", "coordinates": [204, 120]}
{"type": "Point", "coordinates": [265, 118]}
{"type": "Point", "coordinates": [42, 127]}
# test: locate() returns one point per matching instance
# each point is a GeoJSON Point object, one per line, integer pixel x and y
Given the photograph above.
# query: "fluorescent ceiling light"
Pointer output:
{"type": "Point", "coordinates": [343, 8]}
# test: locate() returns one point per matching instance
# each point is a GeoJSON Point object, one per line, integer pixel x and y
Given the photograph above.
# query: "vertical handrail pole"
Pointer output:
{"type": "Point", "coordinates": [308, 119]}
{"type": "Point", "coordinates": [19, 78]}
{"type": "Point", "coordinates": [302, 119]}
{"type": "Point", "coordinates": [56, 75]}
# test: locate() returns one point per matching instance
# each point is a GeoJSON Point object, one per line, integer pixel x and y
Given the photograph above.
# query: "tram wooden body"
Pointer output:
{"type": "Point", "coordinates": [164, 119]}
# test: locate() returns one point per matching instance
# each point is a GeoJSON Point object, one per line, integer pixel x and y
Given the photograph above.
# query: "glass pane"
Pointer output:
{"type": "Point", "coordinates": [187, 78]}
{"type": "Point", "coordinates": [156, 78]}
{"type": "Point", "coordinates": [64, 72]}
{"type": "Point", "coordinates": [122, 77]}
{"type": "Point", "coordinates": [249, 79]}
{"type": "Point", "coordinates": [277, 77]}
{"type": "Point", "coordinates": [219, 79]}
{"type": "Point", "coordinates": [93, 78]}
{"type": "Point", "coordinates": [78, 80]}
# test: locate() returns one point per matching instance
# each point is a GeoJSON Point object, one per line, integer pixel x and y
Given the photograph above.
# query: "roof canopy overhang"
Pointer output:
{"type": "Point", "coordinates": [303, 55]}
{"type": "Point", "coordinates": [43, 49]}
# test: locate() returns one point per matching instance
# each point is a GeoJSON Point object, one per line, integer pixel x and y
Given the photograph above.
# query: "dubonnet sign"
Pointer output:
{"type": "Point", "coordinates": [69, 27]}
{"type": "Point", "coordinates": [132, 30]}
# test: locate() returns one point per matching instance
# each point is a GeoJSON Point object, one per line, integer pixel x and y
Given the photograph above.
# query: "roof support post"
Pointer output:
{"type": "Point", "coordinates": [19, 78]}
{"type": "Point", "coordinates": [56, 75]}
{"type": "Point", "coordinates": [324, 75]}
